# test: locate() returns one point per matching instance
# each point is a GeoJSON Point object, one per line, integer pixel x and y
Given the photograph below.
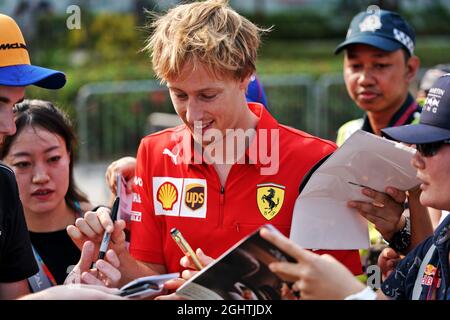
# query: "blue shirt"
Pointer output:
{"type": "Point", "coordinates": [400, 284]}
{"type": "Point", "coordinates": [255, 92]}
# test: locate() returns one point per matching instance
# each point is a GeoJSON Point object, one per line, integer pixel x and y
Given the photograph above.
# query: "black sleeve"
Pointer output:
{"type": "Point", "coordinates": [16, 256]}
{"type": "Point", "coordinates": [310, 173]}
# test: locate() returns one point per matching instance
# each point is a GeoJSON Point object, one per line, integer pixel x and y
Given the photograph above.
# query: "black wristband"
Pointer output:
{"type": "Point", "coordinates": [401, 240]}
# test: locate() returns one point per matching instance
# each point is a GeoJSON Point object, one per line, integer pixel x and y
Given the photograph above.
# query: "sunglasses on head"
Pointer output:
{"type": "Point", "coordinates": [430, 149]}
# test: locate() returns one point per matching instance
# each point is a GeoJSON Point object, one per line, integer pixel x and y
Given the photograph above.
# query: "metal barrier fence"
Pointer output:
{"type": "Point", "coordinates": [114, 116]}
{"type": "Point", "coordinates": [333, 106]}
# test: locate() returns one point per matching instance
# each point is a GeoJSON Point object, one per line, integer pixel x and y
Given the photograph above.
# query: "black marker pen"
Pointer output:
{"type": "Point", "coordinates": [107, 236]}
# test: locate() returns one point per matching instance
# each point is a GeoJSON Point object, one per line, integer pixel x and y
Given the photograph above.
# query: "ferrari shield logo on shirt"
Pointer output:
{"type": "Point", "coordinates": [269, 197]}
{"type": "Point", "coordinates": [194, 198]}
{"type": "Point", "coordinates": [167, 195]}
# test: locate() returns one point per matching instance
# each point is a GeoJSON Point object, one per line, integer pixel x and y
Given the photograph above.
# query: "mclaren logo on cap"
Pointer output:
{"type": "Point", "coordinates": [269, 197]}
{"type": "Point", "coordinates": [8, 46]}
{"type": "Point", "coordinates": [370, 23]}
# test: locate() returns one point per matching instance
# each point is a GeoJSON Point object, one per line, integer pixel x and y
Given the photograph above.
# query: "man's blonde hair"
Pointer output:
{"type": "Point", "coordinates": [207, 32]}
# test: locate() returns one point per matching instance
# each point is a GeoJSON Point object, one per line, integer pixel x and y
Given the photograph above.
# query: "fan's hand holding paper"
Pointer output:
{"type": "Point", "coordinates": [321, 218]}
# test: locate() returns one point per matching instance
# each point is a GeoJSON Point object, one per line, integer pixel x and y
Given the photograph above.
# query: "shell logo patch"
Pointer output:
{"type": "Point", "coordinates": [270, 198]}
{"type": "Point", "coordinates": [167, 195]}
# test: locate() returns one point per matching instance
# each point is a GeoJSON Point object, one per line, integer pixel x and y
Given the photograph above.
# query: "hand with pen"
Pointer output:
{"type": "Point", "coordinates": [191, 270]}
{"type": "Point", "coordinates": [105, 272]}
{"type": "Point", "coordinates": [93, 226]}
{"type": "Point", "coordinates": [88, 233]}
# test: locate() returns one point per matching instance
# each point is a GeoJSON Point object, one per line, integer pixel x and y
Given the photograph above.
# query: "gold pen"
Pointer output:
{"type": "Point", "coordinates": [185, 247]}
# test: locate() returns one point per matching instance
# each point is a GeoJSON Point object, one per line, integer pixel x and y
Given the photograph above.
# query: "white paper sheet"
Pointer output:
{"type": "Point", "coordinates": [126, 200]}
{"type": "Point", "coordinates": [321, 218]}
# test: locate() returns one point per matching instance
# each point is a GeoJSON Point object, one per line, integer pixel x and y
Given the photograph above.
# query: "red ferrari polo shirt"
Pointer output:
{"type": "Point", "coordinates": [171, 190]}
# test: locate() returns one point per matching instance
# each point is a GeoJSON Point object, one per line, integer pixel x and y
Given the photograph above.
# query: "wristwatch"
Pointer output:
{"type": "Point", "coordinates": [401, 240]}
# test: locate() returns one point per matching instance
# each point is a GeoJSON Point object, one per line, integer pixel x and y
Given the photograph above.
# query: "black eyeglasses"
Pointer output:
{"type": "Point", "coordinates": [430, 149]}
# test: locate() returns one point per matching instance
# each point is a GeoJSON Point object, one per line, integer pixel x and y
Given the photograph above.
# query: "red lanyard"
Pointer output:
{"type": "Point", "coordinates": [411, 109]}
{"type": "Point", "coordinates": [45, 268]}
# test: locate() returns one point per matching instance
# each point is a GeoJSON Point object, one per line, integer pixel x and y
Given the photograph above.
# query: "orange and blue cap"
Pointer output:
{"type": "Point", "coordinates": [16, 69]}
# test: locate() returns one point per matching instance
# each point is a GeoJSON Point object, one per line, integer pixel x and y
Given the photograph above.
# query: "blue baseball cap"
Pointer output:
{"type": "Point", "coordinates": [16, 69]}
{"type": "Point", "coordinates": [434, 125]}
{"type": "Point", "coordinates": [385, 30]}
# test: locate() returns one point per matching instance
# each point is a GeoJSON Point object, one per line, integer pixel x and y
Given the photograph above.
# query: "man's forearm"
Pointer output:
{"type": "Point", "coordinates": [13, 290]}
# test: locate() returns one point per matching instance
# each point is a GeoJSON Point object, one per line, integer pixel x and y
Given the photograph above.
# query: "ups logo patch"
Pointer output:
{"type": "Point", "coordinates": [195, 196]}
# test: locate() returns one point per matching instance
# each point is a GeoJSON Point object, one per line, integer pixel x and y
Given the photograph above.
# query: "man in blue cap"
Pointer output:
{"type": "Point", "coordinates": [379, 65]}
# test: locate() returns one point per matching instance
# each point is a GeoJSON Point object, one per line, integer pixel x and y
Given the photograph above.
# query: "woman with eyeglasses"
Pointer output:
{"type": "Point", "coordinates": [425, 272]}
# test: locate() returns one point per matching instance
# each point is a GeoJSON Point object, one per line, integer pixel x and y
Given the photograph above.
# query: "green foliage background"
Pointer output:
{"type": "Point", "coordinates": [108, 47]}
